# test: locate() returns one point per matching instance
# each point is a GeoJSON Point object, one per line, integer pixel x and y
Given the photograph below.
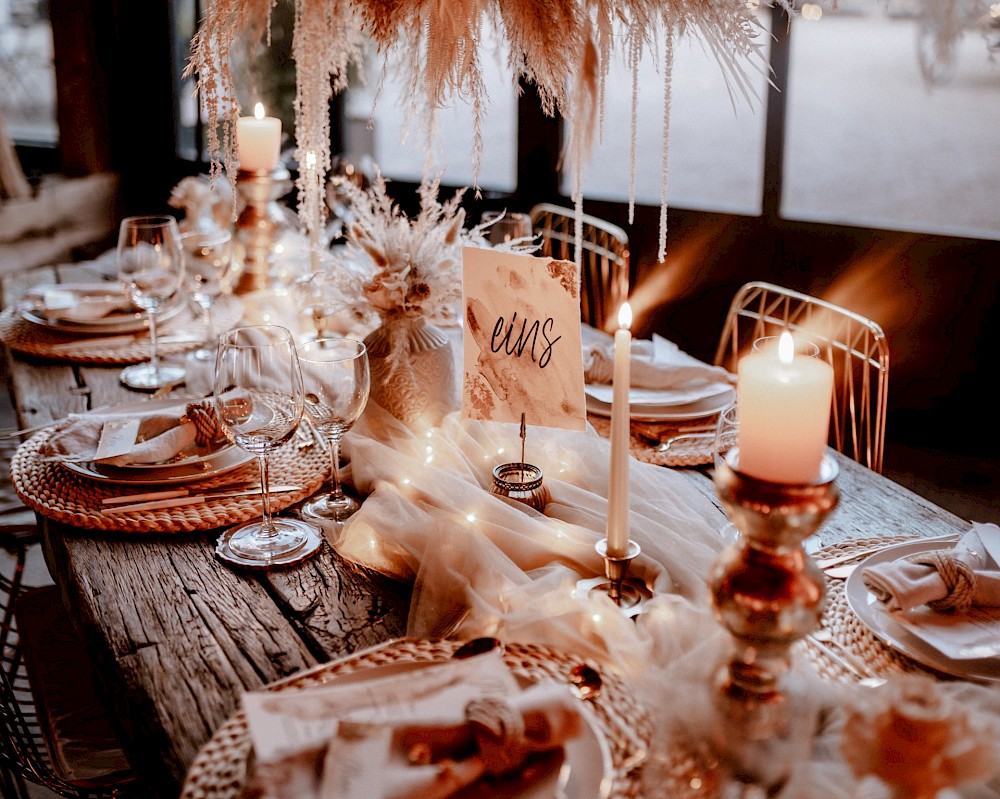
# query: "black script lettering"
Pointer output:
{"type": "Point", "coordinates": [502, 338]}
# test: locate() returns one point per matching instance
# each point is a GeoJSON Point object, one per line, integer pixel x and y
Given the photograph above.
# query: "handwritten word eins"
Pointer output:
{"type": "Point", "coordinates": [527, 334]}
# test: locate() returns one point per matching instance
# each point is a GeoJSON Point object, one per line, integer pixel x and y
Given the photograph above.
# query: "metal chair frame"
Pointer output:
{"type": "Point", "coordinates": [23, 752]}
{"type": "Point", "coordinates": [603, 258]}
{"type": "Point", "coordinates": [856, 348]}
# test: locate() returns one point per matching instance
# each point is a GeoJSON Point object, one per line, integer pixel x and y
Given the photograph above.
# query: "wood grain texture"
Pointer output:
{"type": "Point", "coordinates": [177, 636]}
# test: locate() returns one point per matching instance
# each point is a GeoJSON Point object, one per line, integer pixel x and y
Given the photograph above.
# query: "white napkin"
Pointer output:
{"type": "Point", "coordinates": [153, 438]}
{"type": "Point", "coordinates": [403, 734]}
{"type": "Point", "coordinates": [658, 364]}
{"type": "Point", "coordinates": [78, 302]}
{"type": "Point", "coordinates": [966, 576]}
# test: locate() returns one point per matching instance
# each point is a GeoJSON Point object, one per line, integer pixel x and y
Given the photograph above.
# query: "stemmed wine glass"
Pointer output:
{"type": "Point", "coordinates": [150, 269]}
{"type": "Point", "coordinates": [336, 379]}
{"type": "Point", "coordinates": [258, 401]}
{"type": "Point", "coordinates": [208, 256]}
{"type": "Point", "coordinates": [726, 438]}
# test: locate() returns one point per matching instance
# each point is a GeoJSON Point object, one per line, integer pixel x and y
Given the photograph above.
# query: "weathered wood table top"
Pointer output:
{"type": "Point", "coordinates": [177, 636]}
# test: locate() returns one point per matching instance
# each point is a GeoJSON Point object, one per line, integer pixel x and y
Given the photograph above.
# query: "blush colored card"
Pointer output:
{"type": "Point", "coordinates": [523, 352]}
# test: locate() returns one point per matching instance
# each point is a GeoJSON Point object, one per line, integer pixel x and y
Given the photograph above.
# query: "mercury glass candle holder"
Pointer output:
{"type": "Point", "coordinates": [522, 482]}
{"type": "Point", "coordinates": [767, 593]}
{"type": "Point", "coordinates": [259, 225]}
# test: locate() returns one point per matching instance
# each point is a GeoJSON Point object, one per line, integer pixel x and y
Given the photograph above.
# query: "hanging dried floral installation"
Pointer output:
{"type": "Point", "coordinates": [563, 47]}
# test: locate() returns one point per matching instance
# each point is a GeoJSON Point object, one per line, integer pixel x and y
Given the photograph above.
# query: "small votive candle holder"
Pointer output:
{"type": "Point", "coordinates": [522, 482]}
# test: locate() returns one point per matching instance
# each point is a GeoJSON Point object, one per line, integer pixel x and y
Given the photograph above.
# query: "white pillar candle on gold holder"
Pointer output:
{"type": "Point", "coordinates": [784, 406]}
{"type": "Point", "coordinates": [258, 141]}
{"type": "Point", "coordinates": [618, 487]}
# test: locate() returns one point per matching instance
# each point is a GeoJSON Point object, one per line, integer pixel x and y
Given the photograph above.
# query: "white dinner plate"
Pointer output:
{"type": "Point", "coordinates": [706, 406]}
{"type": "Point", "coordinates": [874, 615]}
{"type": "Point", "coordinates": [112, 324]}
{"type": "Point", "coordinates": [196, 465]}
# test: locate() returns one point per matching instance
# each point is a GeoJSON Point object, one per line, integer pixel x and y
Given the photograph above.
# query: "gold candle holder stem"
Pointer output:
{"type": "Point", "coordinates": [259, 225]}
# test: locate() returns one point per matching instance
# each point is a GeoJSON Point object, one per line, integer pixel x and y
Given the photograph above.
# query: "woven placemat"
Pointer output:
{"type": "Point", "coordinates": [847, 630]}
{"type": "Point", "coordinates": [682, 452]}
{"type": "Point", "coordinates": [220, 769]}
{"type": "Point", "coordinates": [32, 339]}
{"type": "Point", "coordinates": [57, 493]}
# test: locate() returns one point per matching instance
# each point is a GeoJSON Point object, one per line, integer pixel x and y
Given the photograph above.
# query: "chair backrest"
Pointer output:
{"type": "Point", "coordinates": [604, 259]}
{"type": "Point", "coordinates": [855, 346]}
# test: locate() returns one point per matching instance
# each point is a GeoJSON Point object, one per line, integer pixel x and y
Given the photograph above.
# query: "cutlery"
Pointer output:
{"type": "Point", "coordinates": [122, 341]}
{"type": "Point", "coordinates": [836, 560]}
{"type": "Point", "coordinates": [667, 443]}
{"type": "Point", "coordinates": [193, 499]}
{"type": "Point", "coordinates": [823, 640]}
{"type": "Point", "coordinates": [586, 683]}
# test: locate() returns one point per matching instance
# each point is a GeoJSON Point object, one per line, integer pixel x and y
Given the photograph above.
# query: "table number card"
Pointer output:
{"type": "Point", "coordinates": [522, 340]}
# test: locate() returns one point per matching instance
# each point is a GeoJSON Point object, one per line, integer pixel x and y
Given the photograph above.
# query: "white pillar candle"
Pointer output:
{"type": "Point", "coordinates": [618, 504]}
{"type": "Point", "coordinates": [258, 141]}
{"type": "Point", "coordinates": [784, 407]}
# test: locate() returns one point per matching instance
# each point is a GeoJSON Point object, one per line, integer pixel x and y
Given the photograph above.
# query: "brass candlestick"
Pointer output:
{"type": "Point", "coordinates": [259, 225]}
{"type": "Point", "coordinates": [628, 593]}
{"type": "Point", "coordinates": [767, 593]}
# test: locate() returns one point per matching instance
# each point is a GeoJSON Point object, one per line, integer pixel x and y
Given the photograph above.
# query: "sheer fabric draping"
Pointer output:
{"type": "Point", "coordinates": [486, 565]}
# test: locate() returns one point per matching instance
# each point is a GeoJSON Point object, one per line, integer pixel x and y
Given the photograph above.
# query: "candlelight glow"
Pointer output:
{"type": "Point", "coordinates": [258, 111]}
{"type": "Point", "coordinates": [812, 11]}
{"type": "Point", "coordinates": [625, 315]}
{"type": "Point", "coordinates": [786, 347]}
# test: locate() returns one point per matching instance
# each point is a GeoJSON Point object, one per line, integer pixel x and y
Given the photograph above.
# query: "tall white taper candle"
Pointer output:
{"type": "Point", "coordinates": [618, 504]}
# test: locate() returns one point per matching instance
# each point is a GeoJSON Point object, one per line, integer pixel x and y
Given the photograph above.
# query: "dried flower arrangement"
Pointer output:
{"type": "Point", "coordinates": [564, 47]}
{"type": "Point", "coordinates": [400, 267]}
{"type": "Point", "coordinates": [917, 739]}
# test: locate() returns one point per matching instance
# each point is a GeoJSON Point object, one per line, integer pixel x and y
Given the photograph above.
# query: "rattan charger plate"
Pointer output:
{"type": "Point", "coordinates": [29, 338]}
{"type": "Point", "coordinates": [695, 451]}
{"type": "Point", "coordinates": [220, 769]}
{"type": "Point", "coordinates": [849, 632]}
{"type": "Point", "coordinates": [57, 493]}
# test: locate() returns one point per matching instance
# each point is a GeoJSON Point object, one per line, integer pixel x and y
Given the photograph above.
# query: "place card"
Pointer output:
{"type": "Point", "coordinates": [522, 340]}
{"type": "Point", "coordinates": [117, 437]}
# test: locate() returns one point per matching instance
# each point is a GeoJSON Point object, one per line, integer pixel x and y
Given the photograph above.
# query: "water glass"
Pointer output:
{"type": "Point", "coordinates": [150, 269]}
{"type": "Point", "coordinates": [259, 402]}
{"type": "Point", "coordinates": [208, 261]}
{"type": "Point", "coordinates": [336, 380]}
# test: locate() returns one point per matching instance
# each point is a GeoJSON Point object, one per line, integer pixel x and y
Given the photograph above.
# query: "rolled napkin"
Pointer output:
{"type": "Point", "coordinates": [149, 438]}
{"type": "Point", "coordinates": [78, 302]}
{"type": "Point", "coordinates": [658, 364]}
{"type": "Point", "coordinates": [945, 580]}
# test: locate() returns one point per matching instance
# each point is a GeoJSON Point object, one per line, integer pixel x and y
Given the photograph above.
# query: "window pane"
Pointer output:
{"type": "Point", "coordinates": [27, 74]}
{"type": "Point", "coordinates": [715, 160]}
{"type": "Point", "coordinates": [398, 147]}
{"type": "Point", "coordinates": [869, 143]}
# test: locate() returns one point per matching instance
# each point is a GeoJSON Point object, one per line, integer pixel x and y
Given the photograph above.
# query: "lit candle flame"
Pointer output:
{"type": "Point", "coordinates": [625, 315]}
{"type": "Point", "coordinates": [258, 111]}
{"type": "Point", "coordinates": [786, 347]}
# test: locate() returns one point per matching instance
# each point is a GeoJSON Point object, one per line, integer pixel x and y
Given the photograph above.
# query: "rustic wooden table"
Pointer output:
{"type": "Point", "coordinates": [177, 636]}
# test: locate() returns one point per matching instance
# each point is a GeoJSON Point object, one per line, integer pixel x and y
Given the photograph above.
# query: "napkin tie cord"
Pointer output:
{"type": "Point", "coordinates": [499, 732]}
{"type": "Point", "coordinates": [958, 577]}
{"type": "Point", "coordinates": [206, 426]}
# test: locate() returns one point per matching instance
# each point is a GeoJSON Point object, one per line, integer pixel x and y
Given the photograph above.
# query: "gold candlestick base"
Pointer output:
{"type": "Point", "coordinates": [259, 225]}
{"type": "Point", "coordinates": [767, 593]}
{"type": "Point", "coordinates": [628, 593]}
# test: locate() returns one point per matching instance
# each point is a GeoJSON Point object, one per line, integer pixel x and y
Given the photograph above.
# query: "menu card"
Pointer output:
{"type": "Point", "coordinates": [522, 340]}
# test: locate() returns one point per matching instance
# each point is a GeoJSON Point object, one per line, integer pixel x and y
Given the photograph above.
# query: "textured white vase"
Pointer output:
{"type": "Point", "coordinates": [412, 370]}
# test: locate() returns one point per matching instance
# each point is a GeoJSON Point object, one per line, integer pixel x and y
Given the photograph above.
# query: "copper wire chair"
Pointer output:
{"type": "Point", "coordinates": [855, 346]}
{"type": "Point", "coordinates": [36, 641]}
{"type": "Point", "coordinates": [604, 259]}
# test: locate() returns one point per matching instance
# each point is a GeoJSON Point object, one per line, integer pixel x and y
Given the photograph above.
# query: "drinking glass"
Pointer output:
{"type": "Point", "coordinates": [506, 226]}
{"type": "Point", "coordinates": [336, 378]}
{"type": "Point", "coordinates": [726, 438]}
{"type": "Point", "coordinates": [150, 269]}
{"type": "Point", "coordinates": [208, 261]}
{"type": "Point", "coordinates": [258, 401]}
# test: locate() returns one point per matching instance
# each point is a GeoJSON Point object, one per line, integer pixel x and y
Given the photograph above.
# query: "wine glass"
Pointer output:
{"type": "Point", "coordinates": [336, 378]}
{"type": "Point", "coordinates": [258, 401]}
{"type": "Point", "coordinates": [506, 226]}
{"type": "Point", "coordinates": [726, 439]}
{"type": "Point", "coordinates": [150, 268]}
{"type": "Point", "coordinates": [208, 261]}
